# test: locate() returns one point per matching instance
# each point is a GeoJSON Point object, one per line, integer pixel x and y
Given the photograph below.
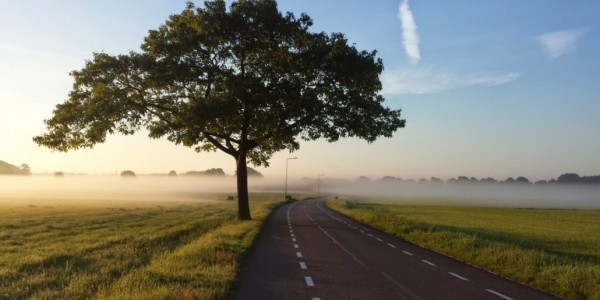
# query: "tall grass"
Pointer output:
{"type": "Point", "coordinates": [557, 251]}
{"type": "Point", "coordinates": [137, 251]}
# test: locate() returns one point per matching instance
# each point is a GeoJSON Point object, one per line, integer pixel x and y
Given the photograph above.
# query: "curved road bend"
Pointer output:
{"type": "Point", "coordinates": [307, 251]}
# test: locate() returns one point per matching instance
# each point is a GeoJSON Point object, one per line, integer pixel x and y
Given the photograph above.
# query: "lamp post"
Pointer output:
{"type": "Point", "coordinates": [286, 176]}
{"type": "Point", "coordinates": [319, 183]}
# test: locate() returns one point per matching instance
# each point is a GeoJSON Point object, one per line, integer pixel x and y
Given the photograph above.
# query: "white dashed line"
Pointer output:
{"type": "Point", "coordinates": [293, 239]}
{"type": "Point", "coordinates": [362, 231]}
{"type": "Point", "coordinates": [298, 254]}
{"type": "Point", "coordinates": [407, 253]}
{"type": "Point", "coordinates": [500, 295]}
{"type": "Point", "coordinates": [369, 234]}
{"type": "Point", "coordinates": [303, 265]}
{"type": "Point", "coordinates": [379, 239]}
{"type": "Point", "coordinates": [309, 281]}
{"type": "Point", "coordinates": [391, 245]}
{"type": "Point", "coordinates": [428, 262]}
{"type": "Point", "coordinates": [292, 234]}
{"type": "Point", "coordinates": [316, 298]}
{"type": "Point", "coordinates": [296, 246]}
{"type": "Point", "coordinates": [458, 276]}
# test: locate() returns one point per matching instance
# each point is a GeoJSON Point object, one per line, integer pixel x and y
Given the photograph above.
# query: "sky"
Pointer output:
{"type": "Point", "coordinates": [487, 88]}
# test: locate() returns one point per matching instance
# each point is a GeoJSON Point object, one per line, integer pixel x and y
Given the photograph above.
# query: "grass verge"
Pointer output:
{"type": "Point", "coordinates": [136, 251]}
{"type": "Point", "coordinates": [557, 251]}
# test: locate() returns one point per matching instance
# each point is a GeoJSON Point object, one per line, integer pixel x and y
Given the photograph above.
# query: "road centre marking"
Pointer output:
{"type": "Point", "coordinates": [407, 253]}
{"type": "Point", "coordinates": [298, 254]}
{"type": "Point", "coordinates": [391, 245]}
{"type": "Point", "coordinates": [428, 262]}
{"type": "Point", "coordinates": [500, 295]}
{"type": "Point", "coordinates": [303, 265]}
{"type": "Point", "coordinates": [296, 246]}
{"type": "Point", "coordinates": [309, 281]}
{"type": "Point", "coordinates": [369, 234]}
{"type": "Point", "coordinates": [458, 276]}
{"type": "Point", "coordinates": [379, 239]}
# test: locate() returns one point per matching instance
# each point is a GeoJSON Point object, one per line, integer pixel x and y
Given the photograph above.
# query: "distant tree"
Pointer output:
{"type": "Point", "coordinates": [522, 180]}
{"type": "Point", "coordinates": [389, 179]}
{"type": "Point", "coordinates": [59, 174]}
{"type": "Point", "coordinates": [128, 173]}
{"type": "Point", "coordinates": [436, 180]}
{"type": "Point", "coordinates": [422, 180]}
{"type": "Point", "coordinates": [509, 180]}
{"type": "Point", "coordinates": [541, 182]}
{"type": "Point", "coordinates": [489, 180]}
{"type": "Point", "coordinates": [172, 173]}
{"type": "Point", "coordinates": [248, 81]}
{"type": "Point", "coordinates": [26, 169]}
{"type": "Point", "coordinates": [363, 179]}
{"type": "Point", "coordinates": [569, 178]}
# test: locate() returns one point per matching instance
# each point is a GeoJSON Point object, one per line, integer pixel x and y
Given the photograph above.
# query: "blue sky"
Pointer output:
{"type": "Point", "coordinates": [488, 88]}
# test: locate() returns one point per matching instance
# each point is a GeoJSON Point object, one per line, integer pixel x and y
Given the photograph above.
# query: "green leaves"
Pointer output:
{"type": "Point", "coordinates": [248, 81]}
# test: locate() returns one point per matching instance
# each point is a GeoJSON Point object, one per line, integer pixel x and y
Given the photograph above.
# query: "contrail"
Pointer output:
{"type": "Point", "coordinates": [410, 37]}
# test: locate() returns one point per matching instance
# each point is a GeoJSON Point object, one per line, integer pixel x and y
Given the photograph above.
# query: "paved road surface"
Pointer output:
{"type": "Point", "coordinates": [307, 251]}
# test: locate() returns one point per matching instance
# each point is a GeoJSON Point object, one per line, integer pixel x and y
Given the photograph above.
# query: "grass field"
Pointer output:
{"type": "Point", "coordinates": [557, 251]}
{"type": "Point", "coordinates": [124, 250]}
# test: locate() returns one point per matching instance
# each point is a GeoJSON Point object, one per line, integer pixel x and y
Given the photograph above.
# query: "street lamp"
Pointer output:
{"type": "Point", "coordinates": [286, 172]}
{"type": "Point", "coordinates": [318, 183]}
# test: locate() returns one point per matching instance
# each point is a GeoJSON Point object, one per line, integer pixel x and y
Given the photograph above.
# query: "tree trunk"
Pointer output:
{"type": "Point", "coordinates": [242, 188]}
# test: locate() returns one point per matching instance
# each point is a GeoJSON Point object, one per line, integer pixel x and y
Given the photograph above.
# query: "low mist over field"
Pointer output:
{"type": "Point", "coordinates": [76, 188]}
{"type": "Point", "coordinates": [479, 194]}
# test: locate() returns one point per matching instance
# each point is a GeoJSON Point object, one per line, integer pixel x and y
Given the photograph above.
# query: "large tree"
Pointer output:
{"type": "Point", "coordinates": [247, 80]}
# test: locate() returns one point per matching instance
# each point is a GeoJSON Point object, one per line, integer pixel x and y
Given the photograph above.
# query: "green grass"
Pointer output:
{"type": "Point", "coordinates": [557, 251]}
{"type": "Point", "coordinates": [138, 250]}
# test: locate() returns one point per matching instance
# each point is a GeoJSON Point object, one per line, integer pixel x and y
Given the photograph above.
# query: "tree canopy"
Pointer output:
{"type": "Point", "coordinates": [248, 80]}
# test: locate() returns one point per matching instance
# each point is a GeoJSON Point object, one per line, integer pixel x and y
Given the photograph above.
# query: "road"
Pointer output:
{"type": "Point", "coordinates": [307, 251]}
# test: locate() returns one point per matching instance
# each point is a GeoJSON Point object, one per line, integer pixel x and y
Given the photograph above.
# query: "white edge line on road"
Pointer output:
{"type": "Point", "coordinates": [428, 262]}
{"type": "Point", "coordinates": [458, 276]}
{"type": "Point", "coordinates": [309, 281]}
{"type": "Point", "coordinates": [500, 295]}
{"type": "Point", "coordinates": [391, 245]}
{"type": "Point", "coordinates": [303, 265]}
{"type": "Point", "coordinates": [407, 253]}
{"type": "Point", "coordinates": [298, 254]}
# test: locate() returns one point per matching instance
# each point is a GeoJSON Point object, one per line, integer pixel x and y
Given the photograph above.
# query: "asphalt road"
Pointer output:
{"type": "Point", "coordinates": [307, 251]}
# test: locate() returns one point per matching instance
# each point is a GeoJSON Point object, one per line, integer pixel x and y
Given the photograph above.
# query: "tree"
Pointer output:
{"type": "Point", "coordinates": [25, 169]}
{"type": "Point", "coordinates": [127, 173]}
{"type": "Point", "coordinates": [248, 81]}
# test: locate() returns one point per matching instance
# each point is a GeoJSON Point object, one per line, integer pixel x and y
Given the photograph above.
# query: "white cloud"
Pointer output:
{"type": "Point", "coordinates": [557, 43]}
{"type": "Point", "coordinates": [410, 37]}
{"type": "Point", "coordinates": [426, 81]}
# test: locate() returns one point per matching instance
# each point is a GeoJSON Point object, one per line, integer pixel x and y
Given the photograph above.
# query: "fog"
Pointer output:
{"type": "Point", "coordinates": [111, 188]}
{"type": "Point", "coordinates": [77, 189]}
{"type": "Point", "coordinates": [475, 194]}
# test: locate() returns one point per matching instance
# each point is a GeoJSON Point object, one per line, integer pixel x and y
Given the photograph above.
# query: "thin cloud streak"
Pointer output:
{"type": "Point", "coordinates": [425, 81]}
{"type": "Point", "coordinates": [410, 37]}
{"type": "Point", "coordinates": [558, 43]}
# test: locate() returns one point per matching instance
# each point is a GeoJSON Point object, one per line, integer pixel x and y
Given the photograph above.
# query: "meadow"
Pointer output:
{"type": "Point", "coordinates": [190, 248]}
{"type": "Point", "coordinates": [557, 251]}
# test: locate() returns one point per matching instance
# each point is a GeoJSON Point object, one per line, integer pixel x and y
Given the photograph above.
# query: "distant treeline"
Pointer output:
{"type": "Point", "coordinates": [213, 172]}
{"type": "Point", "coordinates": [8, 169]}
{"type": "Point", "coordinates": [567, 178]}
